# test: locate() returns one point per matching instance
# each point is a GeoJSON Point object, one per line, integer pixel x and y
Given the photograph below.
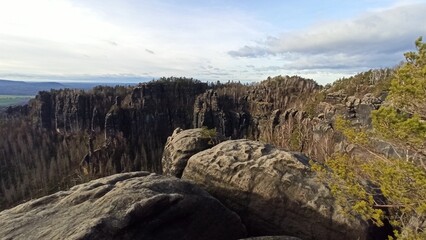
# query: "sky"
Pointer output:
{"type": "Point", "coordinates": [210, 40]}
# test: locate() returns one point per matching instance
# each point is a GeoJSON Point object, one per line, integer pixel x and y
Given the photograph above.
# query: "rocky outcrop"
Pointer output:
{"type": "Point", "coordinates": [150, 112]}
{"type": "Point", "coordinates": [229, 116]}
{"type": "Point", "coordinates": [134, 205]}
{"type": "Point", "coordinates": [128, 137]}
{"type": "Point", "coordinates": [313, 133]}
{"type": "Point", "coordinates": [360, 109]}
{"type": "Point", "coordinates": [142, 116]}
{"type": "Point", "coordinates": [276, 111]}
{"type": "Point", "coordinates": [272, 190]}
{"type": "Point", "coordinates": [271, 111]}
{"type": "Point", "coordinates": [71, 110]}
{"type": "Point", "coordinates": [181, 146]}
{"type": "Point", "coordinates": [132, 135]}
{"type": "Point", "coordinates": [239, 111]}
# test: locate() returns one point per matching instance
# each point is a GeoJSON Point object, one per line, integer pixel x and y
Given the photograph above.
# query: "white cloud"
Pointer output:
{"type": "Point", "coordinates": [79, 38]}
{"type": "Point", "coordinates": [64, 37]}
{"type": "Point", "coordinates": [379, 31]}
{"type": "Point", "coordinates": [375, 39]}
{"type": "Point", "coordinates": [57, 21]}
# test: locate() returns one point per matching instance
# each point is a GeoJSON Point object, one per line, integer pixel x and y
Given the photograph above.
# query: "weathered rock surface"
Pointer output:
{"type": "Point", "coordinates": [181, 146]}
{"type": "Point", "coordinates": [239, 112]}
{"type": "Point", "coordinates": [273, 191]}
{"type": "Point", "coordinates": [278, 106]}
{"type": "Point", "coordinates": [134, 205]}
{"type": "Point", "coordinates": [225, 113]}
{"type": "Point", "coordinates": [144, 115]}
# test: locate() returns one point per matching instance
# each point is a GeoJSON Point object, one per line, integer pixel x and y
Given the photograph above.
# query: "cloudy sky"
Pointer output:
{"type": "Point", "coordinates": [244, 40]}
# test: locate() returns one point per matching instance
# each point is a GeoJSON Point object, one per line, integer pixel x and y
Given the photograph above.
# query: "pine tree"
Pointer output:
{"type": "Point", "coordinates": [377, 188]}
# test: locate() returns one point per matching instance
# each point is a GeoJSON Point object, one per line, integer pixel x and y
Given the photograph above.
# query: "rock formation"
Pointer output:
{"type": "Point", "coordinates": [238, 111]}
{"type": "Point", "coordinates": [284, 111]}
{"type": "Point", "coordinates": [181, 146]}
{"type": "Point", "coordinates": [289, 112]}
{"type": "Point", "coordinates": [135, 205]}
{"type": "Point", "coordinates": [150, 112]}
{"type": "Point", "coordinates": [144, 116]}
{"type": "Point", "coordinates": [272, 190]}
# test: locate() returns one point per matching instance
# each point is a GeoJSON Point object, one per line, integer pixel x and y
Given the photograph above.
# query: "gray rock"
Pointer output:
{"type": "Point", "coordinates": [181, 146]}
{"type": "Point", "coordinates": [273, 192]}
{"type": "Point", "coordinates": [134, 205]}
{"type": "Point", "coordinates": [370, 99]}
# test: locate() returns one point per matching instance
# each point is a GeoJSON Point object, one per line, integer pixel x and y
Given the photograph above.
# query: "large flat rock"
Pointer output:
{"type": "Point", "coordinates": [273, 191]}
{"type": "Point", "coordinates": [135, 205]}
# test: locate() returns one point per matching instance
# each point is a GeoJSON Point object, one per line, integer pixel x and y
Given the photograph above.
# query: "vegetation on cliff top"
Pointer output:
{"type": "Point", "coordinates": [381, 189]}
{"type": "Point", "coordinates": [376, 81]}
{"type": "Point", "coordinates": [403, 119]}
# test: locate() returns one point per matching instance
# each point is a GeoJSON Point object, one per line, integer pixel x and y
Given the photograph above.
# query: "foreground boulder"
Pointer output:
{"type": "Point", "coordinates": [182, 145]}
{"type": "Point", "coordinates": [273, 191]}
{"type": "Point", "coordinates": [135, 205]}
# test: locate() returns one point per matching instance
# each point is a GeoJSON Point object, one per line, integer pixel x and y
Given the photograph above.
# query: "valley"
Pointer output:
{"type": "Point", "coordinates": [284, 157]}
{"type": "Point", "coordinates": [212, 120]}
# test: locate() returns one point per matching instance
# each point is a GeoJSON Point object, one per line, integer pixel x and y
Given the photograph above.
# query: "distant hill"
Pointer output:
{"type": "Point", "coordinates": [8, 87]}
{"type": "Point", "coordinates": [22, 88]}
{"type": "Point", "coordinates": [90, 85]}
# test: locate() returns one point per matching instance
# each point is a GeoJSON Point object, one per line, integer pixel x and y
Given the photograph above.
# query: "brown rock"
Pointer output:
{"type": "Point", "coordinates": [273, 191]}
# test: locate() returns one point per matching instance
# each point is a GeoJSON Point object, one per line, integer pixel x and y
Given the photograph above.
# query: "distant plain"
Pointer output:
{"type": "Point", "coordinates": [14, 93]}
{"type": "Point", "coordinates": [13, 100]}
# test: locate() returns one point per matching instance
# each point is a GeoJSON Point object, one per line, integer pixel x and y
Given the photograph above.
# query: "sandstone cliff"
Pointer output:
{"type": "Point", "coordinates": [130, 125]}
{"type": "Point", "coordinates": [272, 190]}
{"type": "Point", "coordinates": [50, 144]}
{"type": "Point", "coordinates": [143, 116]}
{"type": "Point", "coordinates": [134, 205]}
{"type": "Point", "coordinates": [298, 114]}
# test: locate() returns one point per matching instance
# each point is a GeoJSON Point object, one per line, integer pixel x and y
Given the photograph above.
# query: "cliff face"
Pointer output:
{"type": "Point", "coordinates": [141, 117]}
{"type": "Point", "coordinates": [296, 113]}
{"type": "Point", "coordinates": [69, 110]}
{"type": "Point", "coordinates": [269, 111]}
{"type": "Point", "coordinates": [100, 132]}
{"type": "Point", "coordinates": [290, 112]}
{"type": "Point", "coordinates": [242, 111]}
{"type": "Point", "coordinates": [125, 128]}
{"type": "Point", "coordinates": [280, 110]}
